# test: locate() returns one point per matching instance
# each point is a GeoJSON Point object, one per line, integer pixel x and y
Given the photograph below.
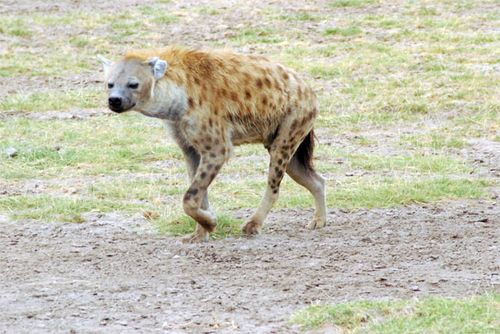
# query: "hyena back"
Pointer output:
{"type": "Point", "coordinates": [213, 100]}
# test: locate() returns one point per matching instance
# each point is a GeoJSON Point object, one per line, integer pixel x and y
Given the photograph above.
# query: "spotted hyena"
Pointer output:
{"type": "Point", "coordinates": [214, 100]}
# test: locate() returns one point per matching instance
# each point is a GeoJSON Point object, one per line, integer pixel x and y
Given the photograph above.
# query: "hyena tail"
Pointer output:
{"type": "Point", "coordinates": [304, 153]}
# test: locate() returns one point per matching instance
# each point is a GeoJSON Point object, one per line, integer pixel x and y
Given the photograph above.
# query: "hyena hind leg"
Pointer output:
{"type": "Point", "coordinates": [277, 168]}
{"type": "Point", "coordinates": [281, 151]}
{"type": "Point", "coordinates": [307, 177]}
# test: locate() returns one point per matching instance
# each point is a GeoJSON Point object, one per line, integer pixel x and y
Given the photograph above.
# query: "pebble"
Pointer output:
{"type": "Point", "coordinates": [11, 152]}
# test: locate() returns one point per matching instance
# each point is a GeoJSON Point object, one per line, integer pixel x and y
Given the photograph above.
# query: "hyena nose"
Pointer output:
{"type": "Point", "coordinates": [115, 102]}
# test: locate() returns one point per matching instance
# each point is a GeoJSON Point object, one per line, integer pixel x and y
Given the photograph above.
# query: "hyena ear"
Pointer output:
{"type": "Point", "coordinates": [158, 66]}
{"type": "Point", "coordinates": [106, 63]}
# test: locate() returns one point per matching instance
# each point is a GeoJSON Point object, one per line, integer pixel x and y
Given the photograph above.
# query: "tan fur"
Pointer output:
{"type": "Point", "coordinates": [232, 99]}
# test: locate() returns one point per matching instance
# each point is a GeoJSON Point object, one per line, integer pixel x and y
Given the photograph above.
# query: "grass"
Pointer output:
{"type": "Point", "coordinates": [256, 36]}
{"type": "Point", "coordinates": [391, 192]}
{"type": "Point", "coordinates": [479, 314]}
{"type": "Point", "coordinates": [53, 100]}
{"type": "Point", "coordinates": [179, 225]}
{"type": "Point", "coordinates": [57, 208]}
{"type": "Point", "coordinates": [108, 145]}
{"type": "Point", "coordinates": [351, 3]}
{"type": "Point", "coordinates": [349, 31]}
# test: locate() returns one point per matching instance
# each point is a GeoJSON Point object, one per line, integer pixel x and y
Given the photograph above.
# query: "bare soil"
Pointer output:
{"type": "Point", "coordinates": [114, 273]}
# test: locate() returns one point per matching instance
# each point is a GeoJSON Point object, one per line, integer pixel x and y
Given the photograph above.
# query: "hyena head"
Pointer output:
{"type": "Point", "coordinates": [130, 82]}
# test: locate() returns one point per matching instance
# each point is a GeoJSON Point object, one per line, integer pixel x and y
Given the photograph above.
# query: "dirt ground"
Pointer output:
{"type": "Point", "coordinates": [115, 274]}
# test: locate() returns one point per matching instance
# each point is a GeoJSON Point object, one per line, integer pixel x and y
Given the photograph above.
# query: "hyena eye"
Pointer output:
{"type": "Point", "coordinates": [110, 85]}
{"type": "Point", "coordinates": [133, 85]}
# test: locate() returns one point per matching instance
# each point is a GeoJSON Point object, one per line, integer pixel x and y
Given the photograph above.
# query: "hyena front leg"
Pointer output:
{"type": "Point", "coordinates": [193, 161]}
{"type": "Point", "coordinates": [209, 166]}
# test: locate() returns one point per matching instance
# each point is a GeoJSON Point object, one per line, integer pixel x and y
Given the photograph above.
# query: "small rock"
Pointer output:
{"type": "Point", "coordinates": [11, 152]}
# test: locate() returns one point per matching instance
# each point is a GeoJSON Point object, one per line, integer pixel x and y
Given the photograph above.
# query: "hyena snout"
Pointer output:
{"type": "Point", "coordinates": [115, 103]}
{"type": "Point", "coordinates": [119, 103]}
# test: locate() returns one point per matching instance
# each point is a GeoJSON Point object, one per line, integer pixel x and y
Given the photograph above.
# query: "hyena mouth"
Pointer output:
{"type": "Point", "coordinates": [121, 109]}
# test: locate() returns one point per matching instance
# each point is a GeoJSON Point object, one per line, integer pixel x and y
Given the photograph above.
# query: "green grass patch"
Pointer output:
{"type": "Point", "coordinates": [110, 145]}
{"type": "Point", "coordinates": [348, 31]}
{"type": "Point", "coordinates": [60, 209]}
{"type": "Point", "coordinates": [158, 15]}
{"type": "Point", "coordinates": [414, 163]}
{"type": "Point", "coordinates": [53, 100]}
{"type": "Point", "coordinates": [61, 58]}
{"type": "Point", "coordinates": [351, 3]}
{"type": "Point", "coordinates": [207, 10]}
{"type": "Point", "coordinates": [151, 188]}
{"type": "Point", "coordinates": [376, 192]}
{"type": "Point", "coordinates": [437, 140]}
{"type": "Point", "coordinates": [257, 36]}
{"type": "Point", "coordinates": [183, 225]}
{"type": "Point", "coordinates": [298, 16]}
{"type": "Point", "coordinates": [479, 314]}
{"type": "Point", "coordinates": [15, 26]}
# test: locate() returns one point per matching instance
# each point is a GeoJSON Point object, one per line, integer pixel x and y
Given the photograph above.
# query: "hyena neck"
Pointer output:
{"type": "Point", "coordinates": [168, 101]}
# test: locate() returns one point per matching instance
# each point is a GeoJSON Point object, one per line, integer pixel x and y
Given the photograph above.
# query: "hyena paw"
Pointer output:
{"type": "Point", "coordinates": [316, 223]}
{"type": "Point", "coordinates": [196, 237]}
{"type": "Point", "coordinates": [251, 228]}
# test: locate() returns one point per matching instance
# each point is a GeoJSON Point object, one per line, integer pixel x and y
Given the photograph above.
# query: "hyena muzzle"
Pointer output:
{"type": "Point", "coordinates": [213, 100]}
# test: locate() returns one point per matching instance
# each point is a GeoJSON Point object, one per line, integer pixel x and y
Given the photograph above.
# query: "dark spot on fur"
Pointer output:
{"type": "Point", "coordinates": [275, 191]}
{"type": "Point", "coordinates": [259, 83]}
{"type": "Point", "coordinates": [267, 82]}
{"type": "Point", "coordinates": [212, 155]}
{"type": "Point", "coordinates": [191, 102]}
{"type": "Point", "coordinates": [248, 95]}
{"type": "Point", "coordinates": [210, 166]}
{"type": "Point", "coordinates": [190, 193]}
{"type": "Point", "coordinates": [264, 101]}
{"type": "Point", "coordinates": [203, 175]}
{"type": "Point", "coordinates": [234, 96]}
{"type": "Point", "coordinates": [208, 147]}
{"type": "Point", "coordinates": [276, 83]}
{"type": "Point", "coordinates": [285, 75]}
